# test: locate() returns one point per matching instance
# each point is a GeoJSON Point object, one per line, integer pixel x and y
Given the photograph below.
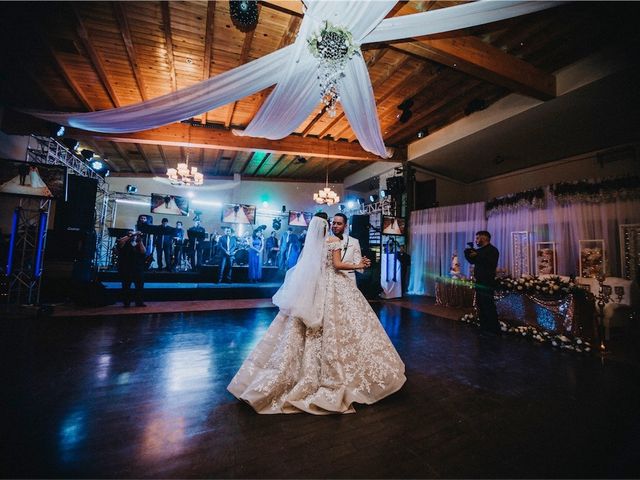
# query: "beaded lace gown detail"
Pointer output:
{"type": "Point", "coordinates": [349, 359]}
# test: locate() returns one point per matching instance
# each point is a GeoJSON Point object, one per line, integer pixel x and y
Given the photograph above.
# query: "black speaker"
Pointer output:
{"type": "Point", "coordinates": [425, 195]}
{"type": "Point", "coordinates": [360, 230]}
{"type": "Point", "coordinates": [78, 212]}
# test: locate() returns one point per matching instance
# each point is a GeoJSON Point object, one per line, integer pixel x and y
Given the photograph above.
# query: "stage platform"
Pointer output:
{"type": "Point", "coordinates": [165, 291]}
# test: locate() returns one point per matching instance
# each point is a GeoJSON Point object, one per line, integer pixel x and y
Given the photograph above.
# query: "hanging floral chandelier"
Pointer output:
{"type": "Point", "coordinates": [183, 175]}
{"type": "Point", "coordinates": [326, 196]}
{"type": "Point", "coordinates": [333, 46]}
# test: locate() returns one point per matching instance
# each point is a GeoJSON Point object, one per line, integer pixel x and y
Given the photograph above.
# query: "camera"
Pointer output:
{"type": "Point", "coordinates": [470, 244]}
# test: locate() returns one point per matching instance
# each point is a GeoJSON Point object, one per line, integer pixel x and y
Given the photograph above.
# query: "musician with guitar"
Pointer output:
{"type": "Point", "coordinates": [131, 266]}
{"type": "Point", "coordinates": [228, 246]}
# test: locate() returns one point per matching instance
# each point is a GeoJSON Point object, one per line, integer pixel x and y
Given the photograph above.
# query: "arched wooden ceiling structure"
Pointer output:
{"type": "Point", "coordinates": [88, 56]}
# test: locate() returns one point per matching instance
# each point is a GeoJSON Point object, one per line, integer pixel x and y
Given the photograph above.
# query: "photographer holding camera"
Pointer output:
{"type": "Point", "coordinates": [131, 266]}
{"type": "Point", "coordinates": [485, 261]}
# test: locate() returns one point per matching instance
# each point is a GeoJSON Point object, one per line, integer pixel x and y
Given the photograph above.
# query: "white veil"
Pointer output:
{"type": "Point", "coordinates": [303, 291]}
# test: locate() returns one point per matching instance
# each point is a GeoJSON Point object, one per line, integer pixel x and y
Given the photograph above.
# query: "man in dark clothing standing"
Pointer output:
{"type": "Point", "coordinates": [164, 239]}
{"type": "Point", "coordinates": [485, 261]}
{"type": "Point", "coordinates": [272, 248]}
{"type": "Point", "coordinates": [228, 246]}
{"type": "Point", "coordinates": [131, 265]}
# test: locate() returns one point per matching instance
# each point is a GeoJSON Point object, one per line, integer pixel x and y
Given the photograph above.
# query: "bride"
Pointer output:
{"type": "Point", "coordinates": [326, 348]}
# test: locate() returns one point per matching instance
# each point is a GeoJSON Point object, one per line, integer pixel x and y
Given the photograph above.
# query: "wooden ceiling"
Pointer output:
{"type": "Point", "coordinates": [88, 56]}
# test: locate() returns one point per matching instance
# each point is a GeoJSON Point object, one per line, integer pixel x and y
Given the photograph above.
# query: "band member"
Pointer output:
{"type": "Point", "coordinates": [227, 245]}
{"type": "Point", "coordinates": [255, 256]}
{"type": "Point", "coordinates": [284, 245]}
{"type": "Point", "coordinates": [272, 249]}
{"type": "Point", "coordinates": [178, 238]}
{"type": "Point", "coordinates": [163, 241]}
{"type": "Point", "coordinates": [196, 236]}
{"type": "Point", "coordinates": [131, 265]}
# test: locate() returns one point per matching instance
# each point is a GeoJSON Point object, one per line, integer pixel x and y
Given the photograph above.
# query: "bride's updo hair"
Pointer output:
{"type": "Point", "coordinates": [322, 215]}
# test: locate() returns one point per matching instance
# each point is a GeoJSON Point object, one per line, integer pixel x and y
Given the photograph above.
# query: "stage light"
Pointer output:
{"type": "Point", "coordinates": [132, 189]}
{"type": "Point", "coordinates": [97, 165]}
{"type": "Point", "coordinates": [373, 198]}
{"type": "Point", "coordinates": [60, 131]}
{"type": "Point", "coordinates": [284, 208]}
{"type": "Point", "coordinates": [422, 133]}
{"type": "Point", "coordinates": [265, 204]}
{"type": "Point", "coordinates": [350, 204]}
{"type": "Point", "coordinates": [361, 201]}
{"type": "Point", "coordinates": [341, 208]}
{"type": "Point", "coordinates": [87, 154]}
{"type": "Point", "coordinates": [70, 143]}
{"type": "Point", "coordinates": [384, 193]}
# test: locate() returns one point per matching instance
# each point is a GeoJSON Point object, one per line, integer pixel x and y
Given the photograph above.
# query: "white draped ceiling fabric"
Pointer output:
{"type": "Point", "coordinates": [293, 70]}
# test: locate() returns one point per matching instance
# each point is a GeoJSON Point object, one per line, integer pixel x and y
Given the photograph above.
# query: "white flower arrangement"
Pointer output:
{"type": "Point", "coordinates": [551, 286]}
{"type": "Point", "coordinates": [560, 341]}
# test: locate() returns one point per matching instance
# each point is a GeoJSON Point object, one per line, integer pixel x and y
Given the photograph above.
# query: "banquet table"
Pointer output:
{"type": "Point", "coordinates": [454, 293]}
{"type": "Point", "coordinates": [572, 315]}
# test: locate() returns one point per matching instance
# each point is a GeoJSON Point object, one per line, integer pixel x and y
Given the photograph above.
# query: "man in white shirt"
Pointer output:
{"type": "Point", "coordinates": [351, 252]}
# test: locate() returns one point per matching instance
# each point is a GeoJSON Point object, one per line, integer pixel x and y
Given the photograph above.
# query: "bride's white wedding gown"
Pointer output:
{"type": "Point", "coordinates": [349, 359]}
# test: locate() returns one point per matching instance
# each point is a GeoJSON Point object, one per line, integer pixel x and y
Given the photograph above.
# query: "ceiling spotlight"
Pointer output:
{"type": "Point", "coordinates": [406, 105]}
{"type": "Point", "coordinates": [384, 193]}
{"type": "Point", "coordinates": [301, 160]}
{"type": "Point", "coordinates": [70, 143]}
{"type": "Point", "coordinates": [60, 131]}
{"type": "Point", "coordinates": [132, 189]}
{"type": "Point", "coordinates": [373, 198]}
{"type": "Point", "coordinates": [87, 154]}
{"type": "Point", "coordinates": [97, 165]}
{"type": "Point", "coordinates": [350, 204]}
{"type": "Point", "coordinates": [423, 133]}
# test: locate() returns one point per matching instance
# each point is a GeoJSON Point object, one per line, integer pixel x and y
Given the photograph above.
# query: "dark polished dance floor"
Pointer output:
{"type": "Point", "coordinates": [144, 396]}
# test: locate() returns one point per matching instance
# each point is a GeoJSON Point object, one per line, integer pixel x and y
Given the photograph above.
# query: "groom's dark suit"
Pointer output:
{"type": "Point", "coordinates": [227, 245]}
{"type": "Point", "coordinates": [485, 260]}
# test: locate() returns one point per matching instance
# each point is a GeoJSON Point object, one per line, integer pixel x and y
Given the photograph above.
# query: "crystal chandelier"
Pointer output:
{"type": "Point", "coordinates": [326, 195]}
{"type": "Point", "coordinates": [333, 46]}
{"type": "Point", "coordinates": [183, 175]}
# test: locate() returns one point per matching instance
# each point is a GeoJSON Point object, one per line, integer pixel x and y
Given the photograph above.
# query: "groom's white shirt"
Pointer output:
{"type": "Point", "coordinates": [351, 255]}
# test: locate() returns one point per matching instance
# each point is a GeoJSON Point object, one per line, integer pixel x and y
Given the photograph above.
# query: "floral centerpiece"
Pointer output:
{"type": "Point", "coordinates": [549, 286]}
{"type": "Point", "coordinates": [333, 46]}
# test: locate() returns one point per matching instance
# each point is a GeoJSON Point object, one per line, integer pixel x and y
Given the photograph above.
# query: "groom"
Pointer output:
{"type": "Point", "coordinates": [350, 246]}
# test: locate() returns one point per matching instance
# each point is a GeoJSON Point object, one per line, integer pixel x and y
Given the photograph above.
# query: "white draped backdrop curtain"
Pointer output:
{"type": "Point", "coordinates": [566, 225]}
{"type": "Point", "coordinates": [435, 235]}
{"type": "Point", "coordinates": [438, 232]}
{"type": "Point", "coordinates": [293, 70]}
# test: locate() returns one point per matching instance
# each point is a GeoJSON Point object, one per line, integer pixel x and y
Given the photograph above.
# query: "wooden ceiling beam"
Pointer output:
{"type": "Point", "coordinates": [275, 164]}
{"type": "Point", "coordinates": [163, 156]}
{"type": "Point", "coordinates": [473, 56]}
{"type": "Point", "coordinates": [208, 47]}
{"type": "Point", "coordinates": [94, 55]}
{"type": "Point", "coordinates": [73, 85]}
{"type": "Point", "coordinates": [124, 157]}
{"type": "Point", "coordinates": [123, 23]}
{"type": "Point", "coordinates": [216, 162]}
{"type": "Point", "coordinates": [145, 158]}
{"type": "Point", "coordinates": [168, 40]}
{"type": "Point", "coordinates": [286, 167]}
{"type": "Point", "coordinates": [292, 7]}
{"type": "Point", "coordinates": [247, 162]}
{"type": "Point", "coordinates": [264, 159]}
{"type": "Point", "coordinates": [180, 134]}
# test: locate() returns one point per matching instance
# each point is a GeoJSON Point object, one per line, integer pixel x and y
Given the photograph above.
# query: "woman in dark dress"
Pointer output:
{"type": "Point", "coordinates": [255, 256]}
